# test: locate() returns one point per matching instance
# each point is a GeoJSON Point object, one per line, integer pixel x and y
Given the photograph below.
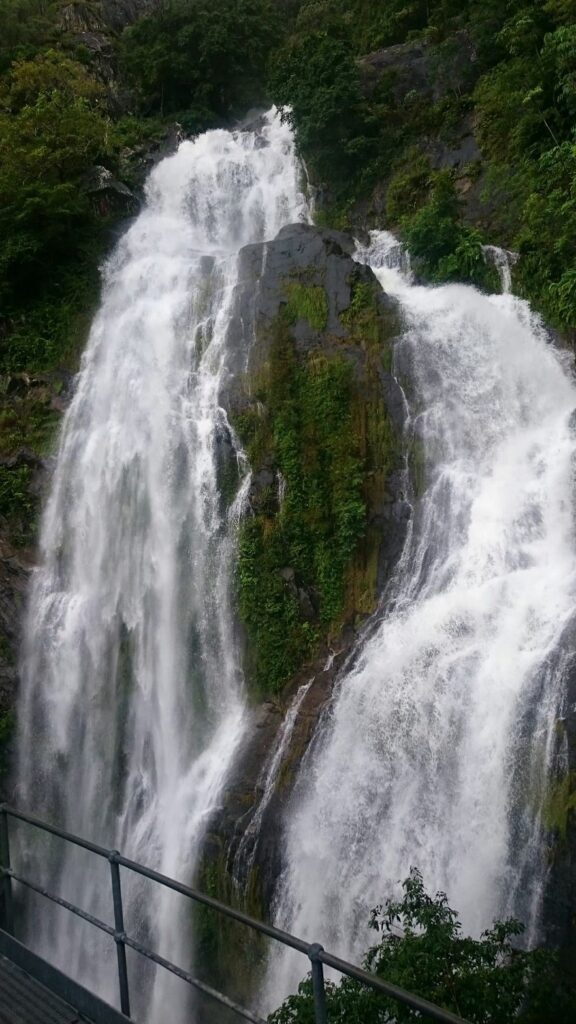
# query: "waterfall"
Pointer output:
{"type": "Point", "coordinates": [132, 703]}
{"type": "Point", "coordinates": [503, 260]}
{"type": "Point", "coordinates": [266, 785]}
{"type": "Point", "coordinates": [435, 748]}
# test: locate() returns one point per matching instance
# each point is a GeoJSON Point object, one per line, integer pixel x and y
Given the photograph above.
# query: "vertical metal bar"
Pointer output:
{"type": "Point", "coordinates": [320, 1012]}
{"type": "Point", "coordinates": [119, 934]}
{"type": "Point", "coordinates": [8, 912]}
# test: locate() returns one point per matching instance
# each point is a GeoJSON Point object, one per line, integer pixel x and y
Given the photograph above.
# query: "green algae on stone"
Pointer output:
{"type": "Point", "coordinates": [308, 563]}
{"type": "Point", "coordinates": [306, 302]}
{"type": "Point", "coordinates": [298, 552]}
{"type": "Point", "coordinates": [228, 953]}
{"type": "Point", "coordinates": [560, 804]}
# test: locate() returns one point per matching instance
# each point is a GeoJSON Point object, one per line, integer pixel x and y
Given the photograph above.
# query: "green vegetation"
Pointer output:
{"type": "Point", "coordinates": [316, 78]}
{"type": "Point", "coordinates": [422, 949]}
{"type": "Point", "coordinates": [14, 493]}
{"type": "Point", "coordinates": [51, 131]}
{"type": "Point", "coordinates": [560, 804]}
{"type": "Point", "coordinates": [306, 429]}
{"type": "Point", "coordinates": [506, 68]}
{"type": "Point", "coordinates": [200, 59]}
{"type": "Point", "coordinates": [308, 560]}
{"type": "Point", "coordinates": [307, 302]}
{"type": "Point", "coordinates": [442, 248]}
{"type": "Point", "coordinates": [62, 113]}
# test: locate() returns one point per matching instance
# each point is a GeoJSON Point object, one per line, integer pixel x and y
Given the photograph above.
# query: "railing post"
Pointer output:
{"type": "Point", "coordinates": [8, 914]}
{"type": "Point", "coordinates": [119, 934]}
{"type": "Point", "coordinates": [320, 1013]}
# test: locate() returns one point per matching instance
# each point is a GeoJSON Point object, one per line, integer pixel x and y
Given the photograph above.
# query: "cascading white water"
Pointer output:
{"type": "Point", "coordinates": [266, 784]}
{"type": "Point", "coordinates": [421, 759]}
{"type": "Point", "coordinates": [132, 702]}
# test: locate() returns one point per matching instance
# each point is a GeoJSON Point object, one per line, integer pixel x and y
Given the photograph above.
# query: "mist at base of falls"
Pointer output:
{"type": "Point", "coordinates": [435, 749]}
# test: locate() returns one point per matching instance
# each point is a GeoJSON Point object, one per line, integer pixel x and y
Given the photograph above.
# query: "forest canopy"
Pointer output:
{"type": "Point", "coordinates": [505, 71]}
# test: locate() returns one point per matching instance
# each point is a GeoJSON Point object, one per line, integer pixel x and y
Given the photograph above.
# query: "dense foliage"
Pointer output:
{"type": "Point", "coordinates": [506, 68]}
{"type": "Point", "coordinates": [202, 59]}
{"type": "Point", "coordinates": [322, 448]}
{"type": "Point", "coordinates": [423, 950]}
{"type": "Point", "coordinates": [306, 429]}
{"type": "Point", "coordinates": [66, 108]}
{"type": "Point", "coordinates": [51, 131]}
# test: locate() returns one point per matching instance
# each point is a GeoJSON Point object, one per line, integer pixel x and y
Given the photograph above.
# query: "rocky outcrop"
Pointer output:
{"type": "Point", "coordinates": [302, 298]}
{"type": "Point", "coordinates": [411, 76]}
{"type": "Point", "coordinates": [109, 195]}
{"type": "Point", "coordinates": [94, 27]}
{"type": "Point", "coordinates": [360, 325]}
{"type": "Point", "coordinates": [412, 68]}
{"type": "Point", "coordinates": [106, 16]}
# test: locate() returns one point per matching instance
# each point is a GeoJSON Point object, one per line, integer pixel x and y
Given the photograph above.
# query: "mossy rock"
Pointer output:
{"type": "Point", "coordinates": [560, 805]}
{"type": "Point", "coordinates": [229, 956]}
{"type": "Point", "coordinates": [307, 302]}
{"type": "Point", "coordinates": [323, 447]}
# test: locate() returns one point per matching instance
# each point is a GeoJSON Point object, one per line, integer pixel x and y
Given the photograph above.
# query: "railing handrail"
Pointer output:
{"type": "Point", "coordinates": [315, 952]}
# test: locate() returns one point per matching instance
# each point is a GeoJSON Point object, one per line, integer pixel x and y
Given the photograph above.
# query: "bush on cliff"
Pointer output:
{"type": "Point", "coordinates": [422, 949]}
{"type": "Point", "coordinates": [506, 69]}
{"type": "Point", "coordinates": [315, 79]}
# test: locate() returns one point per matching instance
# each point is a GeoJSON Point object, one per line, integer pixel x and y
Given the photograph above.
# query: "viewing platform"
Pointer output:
{"type": "Point", "coordinates": [23, 1000]}
{"type": "Point", "coordinates": [33, 991]}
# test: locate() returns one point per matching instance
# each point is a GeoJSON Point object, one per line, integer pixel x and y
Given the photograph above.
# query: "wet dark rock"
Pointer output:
{"type": "Point", "coordinates": [102, 19]}
{"type": "Point", "coordinates": [302, 252]}
{"type": "Point", "coordinates": [108, 194]}
{"type": "Point", "coordinates": [559, 906]}
{"type": "Point", "coordinates": [413, 73]}
{"type": "Point", "coordinates": [411, 68]}
{"type": "Point", "coordinates": [316, 259]}
{"type": "Point", "coordinates": [30, 405]}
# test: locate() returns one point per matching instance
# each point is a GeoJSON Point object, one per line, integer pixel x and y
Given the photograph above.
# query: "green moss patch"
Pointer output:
{"type": "Point", "coordinates": [560, 804]}
{"type": "Point", "coordinates": [229, 954]}
{"type": "Point", "coordinates": [302, 547]}
{"type": "Point", "coordinates": [306, 302]}
{"type": "Point", "coordinates": [308, 563]}
{"type": "Point", "coordinates": [18, 506]}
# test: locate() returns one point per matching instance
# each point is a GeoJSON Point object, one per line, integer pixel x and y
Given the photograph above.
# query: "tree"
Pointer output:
{"type": "Point", "coordinates": [45, 149]}
{"type": "Point", "coordinates": [316, 81]}
{"type": "Point", "coordinates": [200, 56]}
{"type": "Point", "coordinates": [24, 26]}
{"type": "Point", "coordinates": [486, 980]}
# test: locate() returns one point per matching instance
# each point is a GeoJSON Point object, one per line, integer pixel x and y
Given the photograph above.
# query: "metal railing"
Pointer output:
{"type": "Point", "coordinates": [315, 953]}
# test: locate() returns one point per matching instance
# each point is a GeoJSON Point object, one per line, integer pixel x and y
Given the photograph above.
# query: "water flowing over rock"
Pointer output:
{"type": "Point", "coordinates": [132, 703]}
{"type": "Point", "coordinates": [242, 856]}
{"type": "Point", "coordinates": [427, 717]}
{"type": "Point", "coordinates": [441, 747]}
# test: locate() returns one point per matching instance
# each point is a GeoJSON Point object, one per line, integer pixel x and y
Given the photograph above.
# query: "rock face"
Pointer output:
{"type": "Point", "coordinates": [411, 74]}
{"type": "Point", "coordinates": [31, 408]}
{"type": "Point", "coordinates": [108, 194]}
{"type": "Point", "coordinates": [559, 910]}
{"type": "Point", "coordinates": [357, 324]}
{"type": "Point", "coordinates": [94, 27]}
{"type": "Point", "coordinates": [303, 299]}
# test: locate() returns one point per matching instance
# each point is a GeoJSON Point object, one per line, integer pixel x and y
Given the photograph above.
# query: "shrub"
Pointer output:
{"type": "Point", "coordinates": [486, 980]}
